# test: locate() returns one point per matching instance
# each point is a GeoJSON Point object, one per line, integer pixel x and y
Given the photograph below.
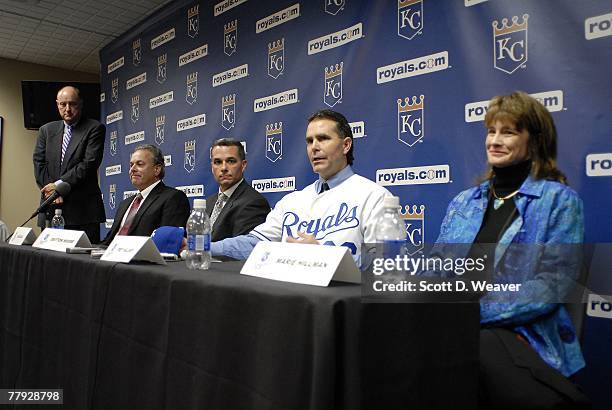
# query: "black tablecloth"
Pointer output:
{"type": "Point", "coordinates": [143, 336]}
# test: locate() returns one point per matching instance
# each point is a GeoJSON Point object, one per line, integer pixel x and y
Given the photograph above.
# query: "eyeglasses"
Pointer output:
{"type": "Point", "coordinates": [64, 104]}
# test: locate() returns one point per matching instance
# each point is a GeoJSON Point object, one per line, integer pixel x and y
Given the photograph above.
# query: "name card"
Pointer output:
{"type": "Point", "coordinates": [301, 263]}
{"type": "Point", "coordinates": [23, 236]}
{"type": "Point", "coordinates": [132, 248]}
{"type": "Point", "coordinates": [60, 239]}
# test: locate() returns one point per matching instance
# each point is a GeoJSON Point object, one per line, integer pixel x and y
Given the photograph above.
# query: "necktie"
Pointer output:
{"type": "Point", "coordinates": [66, 139]}
{"type": "Point", "coordinates": [324, 187]}
{"type": "Point", "coordinates": [131, 214]}
{"type": "Point", "coordinates": [221, 199]}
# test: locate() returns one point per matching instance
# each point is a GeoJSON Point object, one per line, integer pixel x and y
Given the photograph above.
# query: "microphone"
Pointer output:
{"type": "Point", "coordinates": [62, 189]}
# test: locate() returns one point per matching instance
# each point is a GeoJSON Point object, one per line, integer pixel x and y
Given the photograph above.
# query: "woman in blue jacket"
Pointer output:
{"type": "Point", "coordinates": [528, 345]}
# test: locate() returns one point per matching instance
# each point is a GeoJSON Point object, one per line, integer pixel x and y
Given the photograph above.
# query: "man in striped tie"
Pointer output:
{"type": "Point", "coordinates": [71, 151]}
{"type": "Point", "coordinates": [236, 208]}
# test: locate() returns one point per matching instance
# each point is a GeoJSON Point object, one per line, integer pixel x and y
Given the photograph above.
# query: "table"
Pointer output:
{"type": "Point", "coordinates": [143, 336]}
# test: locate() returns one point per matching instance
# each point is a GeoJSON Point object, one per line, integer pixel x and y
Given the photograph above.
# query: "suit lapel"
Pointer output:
{"type": "Point", "coordinates": [230, 203]}
{"type": "Point", "coordinates": [55, 150]}
{"type": "Point", "coordinates": [151, 198]}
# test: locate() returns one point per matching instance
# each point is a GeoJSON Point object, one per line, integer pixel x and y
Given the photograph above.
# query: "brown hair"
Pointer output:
{"type": "Point", "coordinates": [343, 127]}
{"type": "Point", "coordinates": [529, 114]}
{"type": "Point", "coordinates": [230, 142]}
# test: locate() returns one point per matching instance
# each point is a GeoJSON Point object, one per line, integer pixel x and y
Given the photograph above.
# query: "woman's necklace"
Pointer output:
{"type": "Point", "coordinates": [499, 201]}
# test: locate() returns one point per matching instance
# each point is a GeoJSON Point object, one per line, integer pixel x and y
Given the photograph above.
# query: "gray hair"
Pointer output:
{"type": "Point", "coordinates": [158, 157]}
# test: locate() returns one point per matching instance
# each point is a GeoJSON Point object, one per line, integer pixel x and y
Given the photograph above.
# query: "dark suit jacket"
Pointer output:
{"type": "Point", "coordinates": [83, 205]}
{"type": "Point", "coordinates": [244, 210]}
{"type": "Point", "coordinates": [164, 206]}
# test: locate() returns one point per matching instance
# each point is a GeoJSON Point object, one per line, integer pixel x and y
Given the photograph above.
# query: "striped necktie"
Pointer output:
{"type": "Point", "coordinates": [131, 214]}
{"type": "Point", "coordinates": [221, 200]}
{"type": "Point", "coordinates": [66, 139]}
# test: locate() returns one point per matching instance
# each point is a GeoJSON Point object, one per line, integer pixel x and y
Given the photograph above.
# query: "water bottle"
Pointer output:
{"type": "Point", "coordinates": [390, 230]}
{"type": "Point", "coordinates": [198, 237]}
{"type": "Point", "coordinates": [58, 220]}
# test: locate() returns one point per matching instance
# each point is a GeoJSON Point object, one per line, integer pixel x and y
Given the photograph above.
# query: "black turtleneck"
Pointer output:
{"type": "Point", "coordinates": [505, 181]}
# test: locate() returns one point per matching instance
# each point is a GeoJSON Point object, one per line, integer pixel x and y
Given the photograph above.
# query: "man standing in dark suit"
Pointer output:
{"type": "Point", "coordinates": [237, 208]}
{"type": "Point", "coordinates": [71, 151]}
{"type": "Point", "coordinates": [155, 204]}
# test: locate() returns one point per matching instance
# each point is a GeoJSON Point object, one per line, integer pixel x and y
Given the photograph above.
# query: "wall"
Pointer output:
{"type": "Point", "coordinates": [19, 194]}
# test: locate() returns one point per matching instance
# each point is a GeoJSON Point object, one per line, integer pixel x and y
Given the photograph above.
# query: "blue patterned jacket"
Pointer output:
{"type": "Point", "coordinates": [550, 214]}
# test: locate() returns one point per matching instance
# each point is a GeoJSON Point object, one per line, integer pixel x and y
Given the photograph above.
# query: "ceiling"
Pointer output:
{"type": "Point", "coordinates": [67, 33]}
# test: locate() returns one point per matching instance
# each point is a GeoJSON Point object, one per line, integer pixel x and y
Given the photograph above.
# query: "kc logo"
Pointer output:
{"type": "Point", "coordinates": [113, 143]}
{"type": "Point", "coordinates": [415, 228]}
{"type": "Point", "coordinates": [274, 141]}
{"type": "Point", "coordinates": [112, 199]}
{"type": "Point", "coordinates": [193, 21]}
{"type": "Point", "coordinates": [115, 90]}
{"type": "Point", "coordinates": [333, 85]}
{"type": "Point", "coordinates": [189, 162]}
{"type": "Point", "coordinates": [411, 120]}
{"type": "Point", "coordinates": [228, 111]}
{"type": "Point", "coordinates": [334, 6]}
{"type": "Point", "coordinates": [510, 44]}
{"type": "Point", "coordinates": [136, 52]}
{"type": "Point", "coordinates": [135, 108]}
{"type": "Point", "coordinates": [409, 18]}
{"type": "Point", "coordinates": [192, 88]}
{"type": "Point", "coordinates": [159, 129]}
{"type": "Point", "coordinates": [276, 58]}
{"type": "Point", "coordinates": [230, 37]}
{"type": "Point", "coordinates": [161, 68]}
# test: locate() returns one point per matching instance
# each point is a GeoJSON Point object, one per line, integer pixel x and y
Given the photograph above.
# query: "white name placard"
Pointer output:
{"type": "Point", "coordinates": [301, 263]}
{"type": "Point", "coordinates": [60, 239]}
{"type": "Point", "coordinates": [132, 248]}
{"type": "Point", "coordinates": [23, 236]}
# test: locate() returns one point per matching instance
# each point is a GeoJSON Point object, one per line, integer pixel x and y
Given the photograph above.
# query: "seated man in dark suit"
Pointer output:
{"type": "Point", "coordinates": [155, 204]}
{"type": "Point", "coordinates": [237, 208]}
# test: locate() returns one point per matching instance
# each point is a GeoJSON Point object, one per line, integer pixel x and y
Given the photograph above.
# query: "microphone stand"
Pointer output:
{"type": "Point", "coordinates": [28, 220]}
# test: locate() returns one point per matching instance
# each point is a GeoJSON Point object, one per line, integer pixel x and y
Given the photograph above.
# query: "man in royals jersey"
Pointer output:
{"type": "Point", "coordinates": [340, 208]}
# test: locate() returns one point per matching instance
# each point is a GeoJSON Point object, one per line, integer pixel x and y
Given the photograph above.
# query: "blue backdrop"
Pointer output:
{"type": "Point", "coordinates": [413, 77]}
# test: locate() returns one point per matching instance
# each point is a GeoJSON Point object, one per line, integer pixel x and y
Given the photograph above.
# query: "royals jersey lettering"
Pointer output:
{"type": "Point", "coordinates": [343, 216]}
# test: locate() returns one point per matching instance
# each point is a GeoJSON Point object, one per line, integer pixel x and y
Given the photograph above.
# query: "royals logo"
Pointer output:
{"type": "Point", "coordinates": [228, 111]}
{"type": "Point", "coordinates": [230, 37]}
{"type": "Point", "coordinates": [115, 90]}
{"type": "Point", "coordinates": [334, 6]}
{"type": "Point", "coordinates": [161, 68]}
{"type": "Point", "coordinates": [136, 52]}
{"type": "Point", "coordinates": [112, 146]}
{"type": "Point", "coordinates": [276, 58]}
{"type": "Point", "coordinates": [410, 120]}
{"type": "Point", "coordinates": [113, 143]}
{"type": "Point", "coordinates": [333, 85]}
{"type": "Point", "coordinates": [193, 21]}
{"type": "Point", "coordinates": [409, 18]}
{"type": "Point", "coordinates": [189, 162]}
{"type": "Point", "coordinates": [112, 199]}
{"type": "Point", "coordinates": [160, 123]}
{"type": "Point", "coordinates": [274, 141]}
{"type": "Point", "coordinates": [510, 44]}
{"type": "Point", "coordinates": [344, 218]}
{"type": "Point", "coordinates": [414, 219]}
{"type": "Point", "coordinates": [135, 108]}
{"type": "Point", "coordinates": [192, 88]}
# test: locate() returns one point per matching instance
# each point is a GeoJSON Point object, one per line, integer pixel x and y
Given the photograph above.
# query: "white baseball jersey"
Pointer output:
{"type": "Point", "coordinates": [343, 216]}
